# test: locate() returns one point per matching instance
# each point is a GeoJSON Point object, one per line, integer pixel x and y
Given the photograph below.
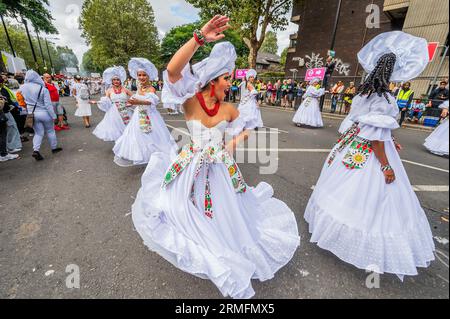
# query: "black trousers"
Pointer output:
{"type": "Point", "coordinates": [402, 117]}
{"type": "Point", "coordinates": [3, 132]}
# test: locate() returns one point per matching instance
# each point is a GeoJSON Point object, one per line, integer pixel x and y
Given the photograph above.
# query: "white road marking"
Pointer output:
{"type": "Point", "coordinates": [431, 188]}
{"type": "Point", "coordinates": [441, 240]}
{"type": "Point", "coordinates": [286, 150]}
{"type": "Point", "coordinates": [305, 150]}
{"type": "Point", "coordinates": [424, 188]}
{"type": "Point", "coordinates": [277, 129]}
{"type": "Point", "coordinates": [427, 166]}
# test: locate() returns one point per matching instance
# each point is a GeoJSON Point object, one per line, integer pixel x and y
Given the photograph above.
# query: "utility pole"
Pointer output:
{"type": "Point", "coordinates": [49, 56]}
{"type": "Point", "coordinates": [40, 50]}
{"type": "Point", "coordinates": [7, 37]}
{"type": "Point", "coordinates": [31, 44]}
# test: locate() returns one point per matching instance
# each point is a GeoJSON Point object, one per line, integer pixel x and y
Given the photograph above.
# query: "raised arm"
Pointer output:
{"type": "Point", "coordinates": [212, 31]}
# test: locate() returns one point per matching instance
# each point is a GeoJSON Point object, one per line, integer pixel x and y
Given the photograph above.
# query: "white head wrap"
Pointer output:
{"type": "Point", "coordinates": [141, 64]}
{"type": "Point", "coordinates": [33, 77]}
{"type": "Point", "coordinates": [315, 80]}
{"type": "Point", "coordinates": [411, 52]}
{"type": "Point", "coordinates": [220, 61]}
{"type": "Point", "coordinates": [114, 72]}
{"type": "Point", "coordinates": [251, 73]}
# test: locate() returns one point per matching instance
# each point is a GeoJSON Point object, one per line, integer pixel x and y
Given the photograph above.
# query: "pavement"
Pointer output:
{"type": "Point", "coordinates": [72, 212]}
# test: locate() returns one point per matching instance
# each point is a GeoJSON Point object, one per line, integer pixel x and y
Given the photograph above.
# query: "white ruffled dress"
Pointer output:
{"type": "Point", "coordinates": [357, 216]}
{"type": "Point", "coordinates": [309, 111]}
{"type": "Point", "coordinates": [136, 145]}
{"type": "Point", "coordinates": [437, 143]}
{"type": "Point", "coordinates": [112, 126]}
{"type": "Point", "coordinates": [249, 110]}
{"type": "Point", "coordinates": [198, 213]}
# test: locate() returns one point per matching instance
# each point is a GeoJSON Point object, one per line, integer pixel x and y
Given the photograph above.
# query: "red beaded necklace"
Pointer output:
{"type": "Point", "coordinates": [212, 112]}
{"type": "Point", "coordinates": [119, 91]}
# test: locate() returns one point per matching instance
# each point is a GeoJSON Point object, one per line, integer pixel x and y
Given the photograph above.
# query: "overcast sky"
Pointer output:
{"type": "Point", "coordinates": [168, 14]}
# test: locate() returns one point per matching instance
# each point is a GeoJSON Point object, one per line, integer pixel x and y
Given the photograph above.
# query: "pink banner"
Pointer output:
{"type": "Point", "coordinates": [241, 73]}
{"type": "Point", "coordinates": [315, 73]}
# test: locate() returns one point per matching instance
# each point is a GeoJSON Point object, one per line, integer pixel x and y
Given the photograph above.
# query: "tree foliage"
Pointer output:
{"type": "Point", "coordinates": [284, 57]}
{"type": "Point", "coordinates": [118, 30]}
{"type": "Point", "coordinates": [270, 44]}
{"type": "Point", "coordinates": [249, 18]}
{"type": "Point", "coordinates": [34, 10]}
{"type": "Point", "coordinates": [61, 57]}
{"type": "Point", "coordinates": [178, 36]}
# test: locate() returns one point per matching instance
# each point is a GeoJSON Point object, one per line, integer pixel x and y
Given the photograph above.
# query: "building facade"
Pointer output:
{"type": "Point", "coordinates": [359, 22]}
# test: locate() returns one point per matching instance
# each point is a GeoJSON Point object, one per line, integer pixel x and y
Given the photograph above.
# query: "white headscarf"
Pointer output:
{"type": "Point", "coordinates": [221, 60]}
{"type": "Point", "coordinates": [315, 80]}
{"type": "Point", "coordinates": [411, 52]}
{"type": "Point", "coordinates": [251, 73]}
{"type": "Point", "coordinates": [115, 72]}
{"type": "Point", "coordinates": [33, 77]}
{"type": "Point", "coordinates": [141, 64]}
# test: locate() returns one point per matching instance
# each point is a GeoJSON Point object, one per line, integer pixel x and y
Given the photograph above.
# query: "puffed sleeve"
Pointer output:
{"type": "Point", "coordinates": [153, 98]}
{"type": "Point", "coordinates": [180, 91]}
{"type": "Point", "coordinates": [373, 133]}
{"type": "Point", "coordinates": [104, 104]}
{"type": "Point", "coordinates": [236, 127]}
{"type": "Point", "coordinates": [444, 105]}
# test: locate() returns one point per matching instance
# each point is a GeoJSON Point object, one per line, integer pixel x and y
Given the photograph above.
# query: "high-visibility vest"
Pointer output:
{"type": "Point", "coordinates": [403, 98]}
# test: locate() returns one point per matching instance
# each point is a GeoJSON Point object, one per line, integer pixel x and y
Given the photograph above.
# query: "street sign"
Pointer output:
{"type": "Point", "coordinates": [432, 49]}
{"type": "Point", "coordinates": [315, 73]}
{"type": "Point", "coordinates": [241, 73]}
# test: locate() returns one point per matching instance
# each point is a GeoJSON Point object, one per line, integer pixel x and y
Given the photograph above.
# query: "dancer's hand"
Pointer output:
{"type": "Point", "coordinates": [398, 147]}
{"type": "Point", "coordinates": [389, 176]}
{"type": "Point", "coordinates": [212, 31]}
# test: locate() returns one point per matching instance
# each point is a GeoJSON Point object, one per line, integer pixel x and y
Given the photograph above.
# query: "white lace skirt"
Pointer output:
{"type": "Point", "coordinates": [437, 142]}
{"type": "Point", "coordinates": [309, 113]}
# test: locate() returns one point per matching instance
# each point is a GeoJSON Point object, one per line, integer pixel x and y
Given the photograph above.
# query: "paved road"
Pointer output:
{"type": "Point", "coordinates": [73, 208]}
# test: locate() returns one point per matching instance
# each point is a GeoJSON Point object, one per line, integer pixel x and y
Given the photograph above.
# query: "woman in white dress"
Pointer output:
{"type": "Point", "coordinates": [248, 108]}
{"type": "Point", "coordinates": [197, 211]}
{"type": "Point", "coordinates": [363, 208]}
{"type": "Point", "coordinates": [81, 93]}
{"type": "Point", "coordinates": [309, 111]}
{"type": "Point", "coordinates": [146, 133]}
{"type": "Point", "coordinates": [115, 104]}
{"type": "Point", "coordinates": [437, 142]}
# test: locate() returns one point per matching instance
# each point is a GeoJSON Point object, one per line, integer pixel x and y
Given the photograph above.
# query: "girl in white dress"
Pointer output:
{"type": "Point", "coordinates": [437, 142]}
{"type": "Point", "coordinates": [115, 104]}
{"type": "Point", "coordinates": [81, 93]}
{"type": "Point", "coordinates": [146, 133]}
{"type": "Point", "coordinates": [363, 208]}
{"type": "Point", "coordinates": [309, 111]}
{"type": "Point", "coordinates": [197, 211]}
{"type": "Point", "coordinates": [248, 108]}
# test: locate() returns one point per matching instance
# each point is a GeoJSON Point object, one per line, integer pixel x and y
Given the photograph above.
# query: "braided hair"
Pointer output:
{"type": "Point", "coordinates": [378, 80]}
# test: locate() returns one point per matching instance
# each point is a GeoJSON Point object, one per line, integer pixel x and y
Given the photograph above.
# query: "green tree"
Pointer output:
{"type": "Point", "coordinates": [178, 36]}
{"type": "Point", "coordinates": [118, 30]}
{"type": "Point", "coordinates": [33, 10]}
{"type": "Point", "coordinates": [284, 57]}
{"type": "Point", "coordinates": [88, 64]}
{"type": "Point", "coordinates": [270, 44]}
{"type": "Point", "coordinates": [22, 48]}
{"type": "Point", "coordinates": [249, 18]}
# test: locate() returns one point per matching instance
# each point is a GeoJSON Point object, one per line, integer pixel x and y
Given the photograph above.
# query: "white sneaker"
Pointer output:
{"type": "Point", "coordinates": [8, 157]}
{"type": "Point", "coordinates": [16, 150]}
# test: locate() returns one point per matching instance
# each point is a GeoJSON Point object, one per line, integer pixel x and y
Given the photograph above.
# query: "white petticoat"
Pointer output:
{"type": "Point", "coordinates": [309, 113]}
{"type": "Point", "coordinates": [437, 142]}
{"type": "Point", "coordinates": [135, 147]}
{"type": "Point", "coordinates": [112, 126]}
{"type": "Point", "coordinates": [366, 222]}
{"type": "Point", "coordinates": [251, 235]}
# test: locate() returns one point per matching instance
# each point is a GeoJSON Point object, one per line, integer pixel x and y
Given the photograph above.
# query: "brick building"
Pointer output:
{"type": "Point", "coordinates": [316, 18]}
